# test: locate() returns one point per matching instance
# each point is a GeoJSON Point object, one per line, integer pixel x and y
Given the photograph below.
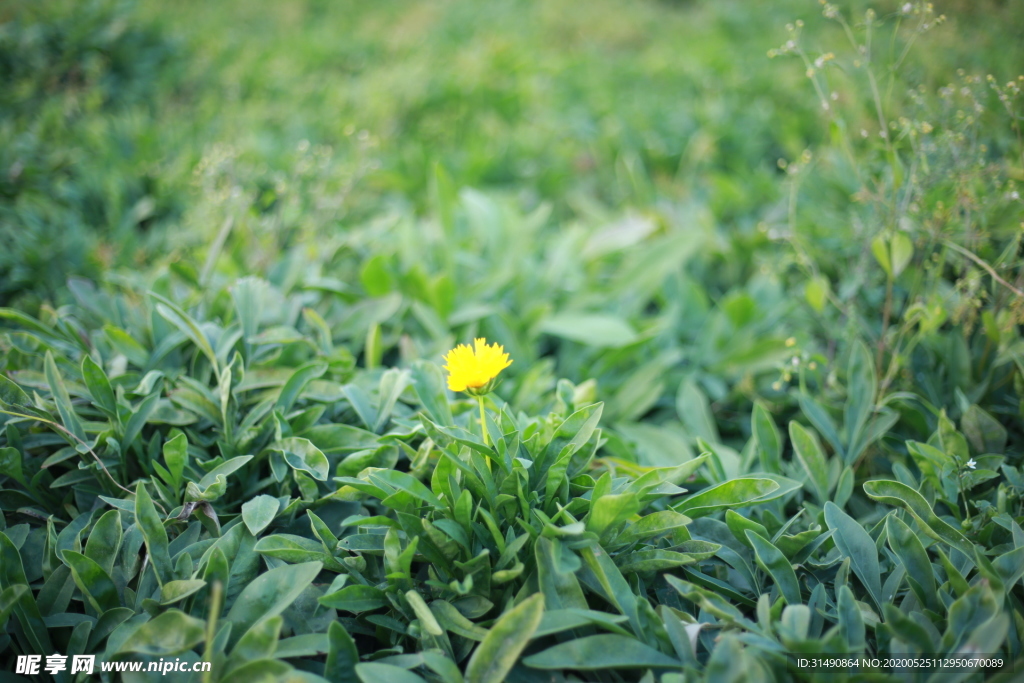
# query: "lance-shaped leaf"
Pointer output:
{"type": "Point", "coordinates": [356, 599]}
{"type": "Point", "coordinates": [808, 451]}
{"type": "Point", "coordinates": [188, 326]}
{"type": "Point", "coordinates": [771, 559]}
{"type": "Point", "coordinates": [601, 652]}
{"type": "Point", "coordinates": [270, 594]}
{"type": "Point", "coordinates": [171, 633]}
{"type": "Point", "coordinates": [900, 495]}
{"type": "Point", "coordinates": [769, 441]}
{"type": "Point", "coordinates": [497, 653]}
{"type": "Point", "coordinates": [855, 543]}
{"type": "Point", "coordinates": [99, 386]}
{"type": "Point", "coordinates": [94, 582]}
{"type": "Point", "coordinates": [732, 493]}
{"type": "Point", "coordinates": [862, 385]}
{"type": "Point", "coordinates": [154, 534]}
{"type": "Point", "coordinates": [292, 389]}
{"type": "Point", "coordinates": [301, 454]}
{"type": "Point", "coordinates": [342, 655]}
{"type": "Point", "coordinates": [908, 547]}
{"type": "Point", "coordinates": [62, 399]}
{"type": "Point", "coordinates": [403, 481]}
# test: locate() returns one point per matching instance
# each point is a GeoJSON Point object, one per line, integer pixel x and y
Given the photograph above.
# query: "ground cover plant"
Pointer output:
{"type": "Point", "coordinates": [766, 379]}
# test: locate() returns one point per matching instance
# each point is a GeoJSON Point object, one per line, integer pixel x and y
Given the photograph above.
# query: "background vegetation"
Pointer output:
{"type": "Point", "coordinates": [765, 318]}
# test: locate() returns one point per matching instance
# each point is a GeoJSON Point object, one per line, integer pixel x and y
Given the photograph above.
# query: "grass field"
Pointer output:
{"type": "Point", "coordinates": [757, 266]}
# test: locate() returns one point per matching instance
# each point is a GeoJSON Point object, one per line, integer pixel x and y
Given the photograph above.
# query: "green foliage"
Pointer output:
{"type": "Point", "coordinates": [716, 447]}
{"type": "Point", "coordinates": [264, 485]}
{"type": "Point", "coordinates": [78, 78]}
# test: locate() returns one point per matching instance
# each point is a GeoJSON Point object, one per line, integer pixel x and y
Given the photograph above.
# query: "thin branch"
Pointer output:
{"type": "Point", "coordinates": [991, 271]}
{"type": "Point", "coordinates": [75, 437]}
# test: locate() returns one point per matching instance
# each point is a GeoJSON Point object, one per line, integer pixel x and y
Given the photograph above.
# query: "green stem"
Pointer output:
{"type": "Point", "coordinates": [960, 471]}
{"type": "Point", "coordinates": [483, 420]}
{"type": "Point", "coordinates": [216, 594]}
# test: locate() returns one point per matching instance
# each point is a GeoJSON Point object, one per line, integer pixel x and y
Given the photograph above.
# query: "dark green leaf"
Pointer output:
{"type": "Point", "coordinates": [600, 652]}
{"type": "Point", "coordinates": [501, 647]}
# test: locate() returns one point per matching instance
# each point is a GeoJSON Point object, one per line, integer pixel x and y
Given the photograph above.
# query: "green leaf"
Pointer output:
{"type": "Point", "coordinates": [409, 484]}
{"type": "Point", "coordinates": [125, 345]}
{"type": "Point", "coordinates": [604, 651]}
{"type": "Point", "coordinates": [376, 276]}
{"type": "Point", "coordinates": [154, 533]}
{"type": "Point", "coordinates": [224, 469]}
{"type": "Point", "coordinates": [248, 294]}
{"type": "Point", "coordinates": [105, 540]}
{"type": "Point", "coordinates": [732, 493]}
{"type": "Point", "coordinates": [342, 655]}
{"type": "Point", "coordinates": [265, 671]}
{"type": "Point", "coordinates": [655, 560]}
{"type": "Point", "coordinates": [270, 594]}
{"type": "Point", "coordinates": [901, 495]}
{"type": "Point", "coordinates": [556, 567]}
{"type": "Point", "coordinates": [559, 620]}
{"type": "Point", "coordinates": [12, 394]}
{"type": "Point", "coordinates": [375, 672]}
{"type": "Point", "coordinates": [851, 621]}
{"type": "Point", "coordinates": [880, 248]}
{"type": "Point", "coordinates": [612, 509]}
{"type": "Point", "coordinates": [176, 457]}
{"type": "Point", "coordinates": [445, 668]}
{"type": "Point", "coordinates": [771, 559]}
{"type": "Point", "coordinates": [808, 451]}
{"type": "Point", "coordinates": [738, 525]}
{"type": "Point", "coordinates": [654, 524]}
{"type": "Point", "coordinates": [816, 292]}
{"type": "Point", "coordinates": [290, 548]}
{"type": "Point", "coordinates": [259, 642]}
{"type": "Point", "coordinates": [259, 512]}
{"type": "Point", "coordinates": [9, 599]}
{"type": "Point", "coordinates": [356, 599]}
{"type": "Point", "coordinates": [985, 432]}
{"type": "Point", "coordinates": [12, 573]}
{"type": "Point", "coordinates": [908, 547]}
{"type": "Point", "coordinates": [423, 613]}
{"type": "Point", "coordinates": [495, 656]}
{"type": "Point", "coordinates": [10, 465]}
{"type": "Point", "coordinates": [341, 438]}
{"type": "Point", "coordinates": [301, 454]}
{"type": "Point", "coordinates": [862, 386]}
{"type": "Point", "coordinates": [591, 329]}
{"type": "Point", "coordinates": [175, 591]}
{"type": "Point", "coordinates": [428, 381]}
{"type": "Point", "coordinates": [94, 582]}
{"type": "Point", "coordinates": [601, 575]}
{"type": "Point", "coordinates": [901, 248]}
{"type": "Point", "coordinates": [180, 319]}
{"type": "Point", "coordinates": [62, 399]}
{"type": "Point", "coordinates": [293, 388]}
{"type": "Point", "coordinates": [392, 383]}
{"type": "Point", "coordinates": [1010, 567]}
{"type": "Point", "coordinates": [769, 441]}
{"type": "Point", "coordinates": [855, 543]}
{"type": "Point", "coordinates": [139, 419]}
{"type": "Point", "coordinates": [694, 410]}
{"type": "Point", "coordinates": [453, 620]}
{"type": "Point", "coordinates": [170, 633]}
{"type": "Point", "coordinates": [820, 420]}
{"type": "Point", "coordinates": [971, 610]}
{"type": "Point", "coordinates": [99, 386]}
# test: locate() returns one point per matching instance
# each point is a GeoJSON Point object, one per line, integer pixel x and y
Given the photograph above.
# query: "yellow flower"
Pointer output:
{"type": "Point", "coordinates": [475, 368]}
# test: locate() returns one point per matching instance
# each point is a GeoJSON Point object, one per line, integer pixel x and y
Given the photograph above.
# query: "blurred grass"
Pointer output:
{"type": "Point", "coordinates": [126, 122]}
